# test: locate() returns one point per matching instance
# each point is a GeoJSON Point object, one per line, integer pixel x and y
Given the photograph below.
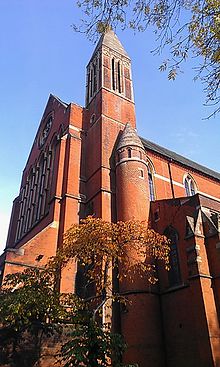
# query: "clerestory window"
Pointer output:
{"type": "Point", "coordinates": [151, 184]}
{"type": "Point", "coordinates": [189, 185]}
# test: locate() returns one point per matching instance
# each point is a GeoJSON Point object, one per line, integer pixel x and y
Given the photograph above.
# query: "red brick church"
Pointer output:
{"type": "Point", "coordinates": [90, 160]}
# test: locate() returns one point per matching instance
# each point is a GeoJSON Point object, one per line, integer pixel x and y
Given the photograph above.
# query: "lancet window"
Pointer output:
{"type": "Point", "coordinates": [151, 184]}
{"type": "Point", "coordinates": [174, 275]}
{"type": "Point", "coordinates": [93, 77]}
{"type": "Point", "coordinates": [35, 194]}
{"type": "Point", "coordinates": [116, 72]}
{"type": "Point", "coordinates": [113, 74]}
{"type": "Point", "coordinates": [189, 185]}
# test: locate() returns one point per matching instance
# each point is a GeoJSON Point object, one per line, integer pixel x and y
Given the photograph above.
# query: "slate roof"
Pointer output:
{"type": "Point", "coordinates": [179, 159]}
{"type": "Point", "coordinates": [129, 137]}
{"type": "Point", "coordinates": [110, 40]}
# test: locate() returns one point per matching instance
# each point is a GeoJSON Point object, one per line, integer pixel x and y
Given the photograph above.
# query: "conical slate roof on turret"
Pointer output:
{"type": "Point", "coordinates": [109, 39]}
{"type": "Point", "coordinates": [129, 137]}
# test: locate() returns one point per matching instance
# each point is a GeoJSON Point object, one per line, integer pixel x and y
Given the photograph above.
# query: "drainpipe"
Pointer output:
{"type": "Point", "coordinates": [170, 174]}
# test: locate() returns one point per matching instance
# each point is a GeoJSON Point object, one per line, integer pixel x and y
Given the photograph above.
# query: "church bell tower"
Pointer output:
{"type": "Point", "coordinates": [109, 105]}
{"type": "Point", "coordinates": [109, 69]}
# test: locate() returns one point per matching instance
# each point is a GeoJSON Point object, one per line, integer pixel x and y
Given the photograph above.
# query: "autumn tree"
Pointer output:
{"type": "Point", "coordinates": [187, 28]}
{"type": "Point", "coordinates": [103, 248]}
{"type": "Point", "coordinates": [99, 245]}
{"type": "Point", "coordinates": [30, 301]}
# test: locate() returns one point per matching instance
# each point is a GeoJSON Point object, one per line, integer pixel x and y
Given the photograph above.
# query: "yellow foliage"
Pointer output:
{"type": "Point", "coordinates": [99, 245]}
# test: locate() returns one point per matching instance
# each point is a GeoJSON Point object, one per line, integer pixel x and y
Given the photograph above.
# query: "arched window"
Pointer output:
{"type": "Point", "coordinates": [92, 119]}
{"type": "Point", "coordinates": [174, 272]}
{"type": "Point", "coordinates": [113, 74]}
{"type": "Point", "coordinates": [40, 185]}
{"type": "Point", "coordinates": [94, 77]}
{"type": "Point", "coordinates": [116, 72]}
{"type": "Point", "coordinates": [91, 82]}
{"type": "Point", "coordinates": [151, 184]}
{"type": "Point", "coordinates": [119, 77]}
{"type": "Point", "coordinates": [189, 185]}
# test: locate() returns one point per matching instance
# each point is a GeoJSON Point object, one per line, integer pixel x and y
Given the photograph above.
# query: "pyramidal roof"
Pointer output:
{"type": "Point", "coordinates": [109, 39]}
{"type": "Point", "coordinates": [129, 137]}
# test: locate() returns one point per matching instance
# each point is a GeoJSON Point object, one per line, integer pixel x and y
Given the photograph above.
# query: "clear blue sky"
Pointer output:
{"type": "Point", "coordinates": [40, 54]}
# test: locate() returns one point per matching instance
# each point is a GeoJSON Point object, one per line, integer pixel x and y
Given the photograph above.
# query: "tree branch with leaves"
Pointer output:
{"type": "Point", "coordinates": [30, 300]}
{"type": "Point", "coordinates": [97, 245]}
{"type": "Point", "coordinates": [187, 28]}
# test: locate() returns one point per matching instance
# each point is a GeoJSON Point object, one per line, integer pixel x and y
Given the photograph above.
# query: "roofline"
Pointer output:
{"type": "Point", "coordinates": [59, 100]}
{"type": "Point", "coordinates": [38, 129]}
{"type": "Point", "coordinates": [175, 157]}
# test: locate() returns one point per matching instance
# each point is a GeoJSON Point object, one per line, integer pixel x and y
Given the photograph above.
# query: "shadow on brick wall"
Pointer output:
{"type": "Point", "coordinates": [31, 350]}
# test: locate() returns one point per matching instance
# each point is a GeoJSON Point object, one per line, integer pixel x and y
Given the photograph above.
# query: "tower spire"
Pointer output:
{"type": "Point", "coordinates": [109, 68]}
{"type": "Point", "coordinates": [110, 40]}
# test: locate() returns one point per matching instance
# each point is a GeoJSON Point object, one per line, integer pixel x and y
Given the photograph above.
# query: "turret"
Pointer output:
{"type": "Point", "coordinates": [132, 193]}
{"type": "Point", "coordinates": [139, 320]}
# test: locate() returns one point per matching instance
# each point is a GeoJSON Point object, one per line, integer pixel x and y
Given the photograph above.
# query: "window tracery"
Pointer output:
{"type": "Point", "coordinates": [189, 185]}
{"type": "Point", "coordinates": [93, 77]}
{"type": "Point", "coordinates": [35, 194]}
